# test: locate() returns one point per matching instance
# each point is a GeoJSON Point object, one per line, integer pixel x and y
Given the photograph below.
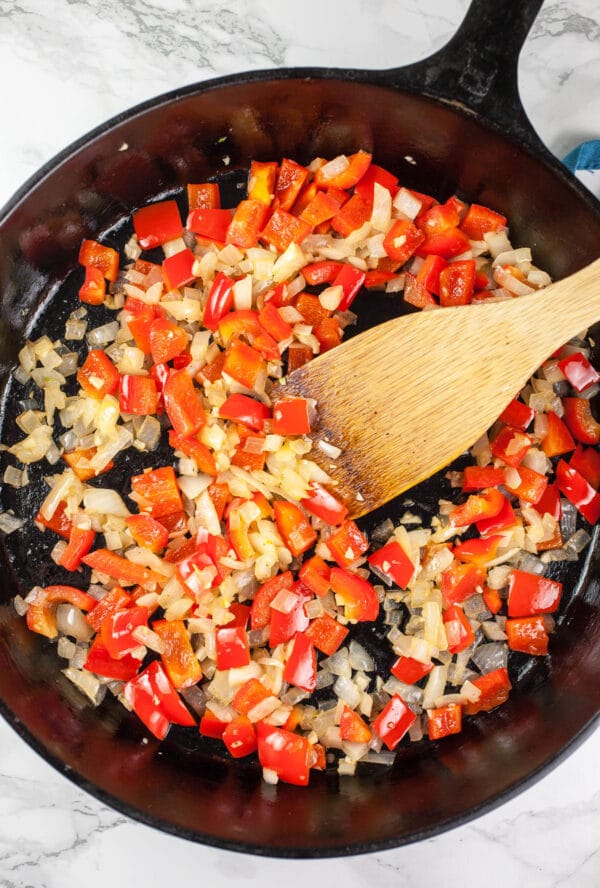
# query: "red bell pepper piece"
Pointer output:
{"type": "Point", "coordinates": [347, 544]}
{"type": "Point", "coordinates": [205, 196]}
{"type": "Point", "coordinates": [178, 658]}
{"type": "Point", "coordinates": [410, 671]}
{"type": "Point", "coordinates": [298, 356]}
{"type": "Point", "coordinates": [243, 363]}
{"type": "Point", "coordinates": [478, 550]}
{"type": "Point", "coordinates": [458, 629]}
{"type": "Point", "coordinates": [93, 289]}
{"type": "Point", "coordinates": [117, 630]}
{"type": "Point", "coordinates": [511, 445]}
{"type": "Point", "coordinates": [283, 627]}
{"type": "Point", "coordinates": [239, 737]}
{"type": "Point", "coordinates": [157, 223]}
{"type": "Point", "coordinates": [577, 490]}
{"type": "Point", "coordinates": [530, 594]}
{"type": "Point", "coordinates": [247, 223]}
{"type": "Point", "coordinates": [155, 702]}
{"type": "Point", "coordinates": [327, 634]}
{"type": "Point", "coordinates": [116, 599]}
{"type": "Point", "coordinates": [457, 283]}
{"type": "Point", "coordinates": [492, 599]}
{"type": "Point", "coordinates": [580, 421]}
{"type": "Point", "coordinates": [402, 240]}
{"type": "Point", "coordinates": [41, 613]}
{"type": "Point", "coordinates": [320, 208]}
{"type": "Point", "coordinates": [167, 340]}
{"type": "Point", "coordinates": [239, 323]}
{"type": "Point", "coordinates": [251, 693]}
{"type": "Point", "coordinates": [586, 461]}
{"type": "Point", "coordinates": [579, 371]}
{"type": "Point", "coordinates": [518, 415]}
{"type": "Point", "coordinates": [107, 562]}
{"type": "Point", "coordinates": [444, 721]}
{"type": "Point", "coordinates": [219, 302]}
{"type": "Point", "coordinates": [290, 181]}
{"type": "Point", "coordinates": [295, 528]}
{"type": "Point", "coordinates": [140, 325]}
{"type": "Point", "coordinates": [301, 667]}
{"type": "Point", "coordinates": [447, 244]}
{"type": "Point", "coordinates": [323, 272]}
{"type": "Point", "coordinates": [137, 395]}
{"type": "Point", "coordinates": [271, 320]}
{"type": "Point", "coordinates": [248, 455]}
{"type": "Point", "coordinates": [481, 220]}
{"type": "Point", "coordinates": [178, 269]}
{"type": "Point", "coordinates": [182, 404]}
{"type": "Point", "coordinates": [79, 459]}
{"type": "Point", "coordinates": [260, 612]}
{"type": "Point", "coordinates": [80, 543]}
{"type": "Point", "coordinates": [502, 521]}
{"type": "Point", "coordinates": [282, 229]}
{"type": "Point", "coordinates": [350, 279]}
{"type": "Point", "coordinates": [531, 486]}
{"type": "Point", "coordinates": [393, 722]}
{"type": "Point", "coordinates": [478, 506]}
{"type": "Point", "coordinates": [324, 505]}
{"type": "Point", "coordinates": [156, 492]}
{"type": "Point", "coordinates": [261, 181]}
{"type": "Point", "coordinates": [558, 439]}
{"type": "Point", "coordinates": [376, 279]}
{"type": "Point", "coordinates": [366, 186]}
{"type": "Point", "coordinates": [285, 753]}
{"type": "Point", "coordinates": [460, 581]}
{"type": "Point", "coordinates": [314, 573]}
{"type": "Point", "coordinates": [478, 477]}
{"type": "Point", "coordinates": [248, 411]}
{"type": "Point", "coordinates": [393, 561]}
{"type": "Point", "coordinates": [196, 450]}
{"type": "Point", "coordinates": [95, 255]}
{"type": "Point", "coordinates": [291, 416]}
{"type": "Point", "coordinates": [311, 309]}
{"type": "Point", "coordinates": [211, 726]}
{"type": "Point", "coordinates": [100, 662]}
{"type": "Point", "coordinates": [494, 686]}
{"type": "Point", "coordinates": [358, 596]}
{"type": "Point", "coordinates": [354, 213]}
{"type": "Point", "coordinates": [98, 376]}
{"type": "Point", "coordinates": [209, 223]}
{"type": "Point", "coordinates": [550, 502]}
{"type": "Point", "coordinates": [232, 647]}
{"type": "Point", "coordinates": [358, 164]}
{"type": "Point", "coordinates": [527, 635]}
{"type": "Point", "coordinates": [352, 728]}
{"type": "Point", "coordinates": [415, 292]}
{"type": "Point", "coordinates": [429, 273]}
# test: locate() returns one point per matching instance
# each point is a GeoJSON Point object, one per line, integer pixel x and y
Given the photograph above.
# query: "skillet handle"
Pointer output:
{"type": "Point", "coordinates": [478, 67]}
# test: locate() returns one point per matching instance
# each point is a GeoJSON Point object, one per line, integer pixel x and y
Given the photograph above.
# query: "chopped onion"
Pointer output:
{"type": "Point", "coordinates": [71, 621]}
{"type": "Point", "coordinates": [488, 657]}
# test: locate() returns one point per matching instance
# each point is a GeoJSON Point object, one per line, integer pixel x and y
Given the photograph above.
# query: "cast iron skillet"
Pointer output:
{"type": "Point", "coordinates": [452, 123]}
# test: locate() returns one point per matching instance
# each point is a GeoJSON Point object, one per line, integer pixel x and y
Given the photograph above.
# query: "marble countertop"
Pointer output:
{"type": "Point", "coordinates": [66, 66]}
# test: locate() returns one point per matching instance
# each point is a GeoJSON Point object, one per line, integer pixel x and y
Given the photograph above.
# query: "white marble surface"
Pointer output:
{"type": "Point", "coordinates": [67, 65]}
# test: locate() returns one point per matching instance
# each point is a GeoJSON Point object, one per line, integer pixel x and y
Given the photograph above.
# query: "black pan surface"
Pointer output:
{"type": "Point", "coordinates": [443, 127]}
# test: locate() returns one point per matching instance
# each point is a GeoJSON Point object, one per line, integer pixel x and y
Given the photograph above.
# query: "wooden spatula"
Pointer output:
{"type": "Point", "coordinates": [405, 398]}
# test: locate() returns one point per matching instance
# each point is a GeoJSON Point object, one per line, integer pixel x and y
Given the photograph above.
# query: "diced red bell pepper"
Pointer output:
{"type": "Point", "coordinates": [531, 486]}
{"type": "Point", "coordinates": [117, 630]}
{"type": "Point", "coordinates": [79, 460]}
{"type": "Point", "coordinates": [247, 223]}
{"type": "Point", "coordinates": [178, 658]}
{"type": "Point", "coordinates": [517, 415]}
{"type": "Point", "coordinates": [250, 454]}
{"type": "Point", "coordinates": [530, 594]}
{"type": "Point", "coordinates": [107, 562]}
{"type": "Point", "coordinates": [366, 186]}
{"type": "Point", "coordinates": [137, 395]}
{"type": "Point", "coordinates": [290, 181]}
{"type": "Point", "coordinates": [295, 528]}
{"type": "Point", "coordinates": [248, 411]}
{"type": "Point", "coordinates": [550, 502]}
{"type": "Point", "coordinates": [321, 208]}
{"type": "Point", "coordinates": [95, 255]}
{"type": "Point", "coordinates": [205, 196]}
{"type": "Point", "coordinates": [393, 561]}
{"type": "Point", "coordinates": [80, 543]}
{"type": "Point", "coordinates": [41, 613]}
{"type": "Point", "coordinates": [100, 662]}
{"type": "Point", "coordinates": [219, 302]}
{"type": "Point", "coordinates": [444, 721]}
{"type": "Point", "coordinates": [393, 722]}
{"type": "Point", "coordinates": [479, 477]}
{"type": "Point", "coordinates": [261, 181]}
{"type": "Point", "coordinates": [579, 371]}
{"type": "Point", "coordinates": [577, 490]}
{"type": "Point", "coordinates": [347, 544]}
{"type": "Point", "coordinates": [140, 325]}
{"type": "Point", "coordinates": [167, 340]}
{"type": "Point", "coordinates": [350, 279]}
{"type": "Point", "coordinates": [352, 728]}
{"type": "Point", "coordinates": [260, 612]}
{"type": "Point", "coordinates": [478, 506]}
{"type": "Point", "coordinates": [239, 737]}
{"type": "Point", "coordinates": [323, 272]}
{"type": "Point", "coordinates": [239, 323]}
{"type": "Point", "coordinates": [116, 599]}
{"type": "Point", "coordinates": [527, 635]}
{"type": "Point", "coordinates": [492, 599]}
{"type": "Point", "coordinates": [457, 283]}
{"type": "Point", "coordinates": [324, 505]}
{"type": "Point", "coordinates": [327, 634]}
{"type": "Point", "coordinates": [196, 450]}
{"type": "Point", "coordinates": [447, 244]}
{"type": "Point", "coordinates": [285, 753]}
{"type": "Point", "coordinates": [402, 240]}
{"type": "Point", "coordinates": [580, 420]}
{"type": "Point", "coordinates": [460, 581]}
{"type": "Point", "coordinates": [98, 376]}
{"type": "Point", "coordinates": [415, 292]}
{"type": "Point", "coordinates": [354, 213]}
{"type": "Point", "coordinates": [504, 520]}
{"type": "Point", "coordinates": [558, 439]}
{"type": "Point", "coordinates": [429, 273]}
{"type": "Point", "coordinates": [93, 289]}
{"type": "Point", "coordinates": [283, 229]}
{"type": "Point", "coordinates": [586, 461]}
{"type": "Point", "coordinates": [157, 223]}
{"type": "Point", "coordinates": [410, 671]}
{"type": "Point", "coordinates": [314, 573]}
{"type": "Point", "coordinates": [157, 492]}
{"type": "Point", "coordinates": [376, 279]}
{"type": "Point", "coordinates": [438, 218]}
{"type": "Point", "coordinates": [251, 693]}
{"type": "Point", "coordinates": [182, 404]}
{"type": "Point", "coordinates": [298, 356]}
{"type": "Point", "coordinates": [311, 309]}
{"type": "Point", "coordinates": [511, 445]}
{"type": "Point", "coordinates": [155, 702]}
{"type": "Point", "coordinates": [283, 626]}
{"type": "Point", "coordinates": [243, 364]}
{"type": "Point", "coordinates": [232, 647]}
{"type": "Point", "coordinates": [458, 629]}
{"type": "Point", "coordinates": [178, 269]}
{"type": "Point", "coordinates": [270, 318]}
{"type": "Point", "coordinates": [478, 550]}
{"type": "Point", "coordinates": [494, 686]}
{"type": "Point", "coordinates": [358, 596]}
{"type": "Point", "coordinates": [209, 223]}
{"type": "Point", "coordinates": [481, 220]}
{"type": "Point", "coordinates": [291, 416]}
{"type": "Point", "coordinates": [301, 667]}
{"type": "Point", "coordinates": [211, 726]}
{"type": "Point", "coordinates": [358, 164]}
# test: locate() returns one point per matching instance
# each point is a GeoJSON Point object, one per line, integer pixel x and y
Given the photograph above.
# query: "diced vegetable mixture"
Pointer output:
{"type": "Point", "coordinates": [224, 591]}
